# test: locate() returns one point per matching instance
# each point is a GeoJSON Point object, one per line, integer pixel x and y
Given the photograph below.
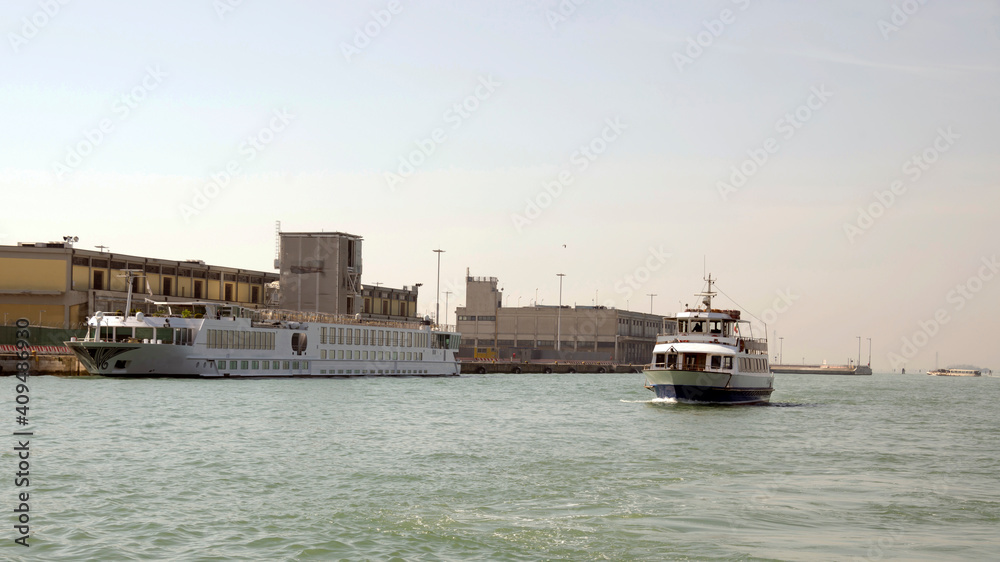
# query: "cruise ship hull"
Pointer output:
{"type": "Point", "coordinates": [692, 387]}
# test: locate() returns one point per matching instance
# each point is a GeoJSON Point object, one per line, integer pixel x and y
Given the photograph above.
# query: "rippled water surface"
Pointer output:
{"type": "Point", "coordinates": [508, 467]}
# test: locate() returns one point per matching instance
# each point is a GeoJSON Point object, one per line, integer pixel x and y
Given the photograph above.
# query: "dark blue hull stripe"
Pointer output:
{"type": "Point", "coordinates": [712, 394]}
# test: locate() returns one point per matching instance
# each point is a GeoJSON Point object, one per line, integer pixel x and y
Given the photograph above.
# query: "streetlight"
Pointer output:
{"type": "Point", "coordinates": [781, 349]}
{"type": "Point", "coordinates": [651, 295]}
{"type": "Point", "coordinates": [869, 352]}
{"type": "Point", "coordinates": [559, 314]}
{"type": "Point", "coordinates": [859, 351]}
{"type": "Point", "coordinates": [437, 306]}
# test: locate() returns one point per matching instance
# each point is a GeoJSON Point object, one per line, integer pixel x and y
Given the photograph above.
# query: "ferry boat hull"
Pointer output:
{"type": "Point", "coordinates": [709, 388]}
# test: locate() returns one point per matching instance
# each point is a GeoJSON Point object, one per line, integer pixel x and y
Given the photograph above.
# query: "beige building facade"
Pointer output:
{"type": "Point", "coordinates": [587, 333]}
{"type": "Point", "coordinates": [56, 285]}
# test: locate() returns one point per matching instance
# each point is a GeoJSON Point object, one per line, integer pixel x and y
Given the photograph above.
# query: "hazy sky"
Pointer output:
{"type": "Point", "coordinates": [623, 143]}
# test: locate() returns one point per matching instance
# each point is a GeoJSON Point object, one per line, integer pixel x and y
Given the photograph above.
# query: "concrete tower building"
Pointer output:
{"type": "Point", "coordinates": [321, 272]}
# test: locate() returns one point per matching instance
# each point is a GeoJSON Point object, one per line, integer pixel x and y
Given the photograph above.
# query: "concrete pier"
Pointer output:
{"type": "Point", "coordinates": [495, 367]}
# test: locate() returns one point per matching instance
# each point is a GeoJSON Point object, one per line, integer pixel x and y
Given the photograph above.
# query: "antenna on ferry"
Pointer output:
{"type": "Point", "coordinates": [707, 300]}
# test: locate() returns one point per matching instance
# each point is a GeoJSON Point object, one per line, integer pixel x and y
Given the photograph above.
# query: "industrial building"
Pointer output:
{"type": "Point", "coordinates": [56, 285]}
{"type": "Point", "coordinates": [578, 333]}
{"type": "Point", "coordinates": [321, 272]}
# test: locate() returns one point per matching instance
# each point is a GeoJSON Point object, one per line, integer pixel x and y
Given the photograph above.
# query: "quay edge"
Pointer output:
{"type": "Point", "coordinates": [515, 367]}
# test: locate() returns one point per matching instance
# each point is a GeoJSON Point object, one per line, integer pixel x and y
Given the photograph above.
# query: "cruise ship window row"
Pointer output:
{"type": "Point", "coordinates": [364, 355]}
{"type": "Point", "coordinates": [240, 339]}
{"type": "Point", "coordinates": [371, 337]}
{"type": "Point", "coordinates": [265, 365]}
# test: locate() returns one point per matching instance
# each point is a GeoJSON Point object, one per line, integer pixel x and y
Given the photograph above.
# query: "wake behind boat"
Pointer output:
{"type": "Point", "coordinates": [709, 356]}
{"type": "Point", "coordinates": [207, 339]}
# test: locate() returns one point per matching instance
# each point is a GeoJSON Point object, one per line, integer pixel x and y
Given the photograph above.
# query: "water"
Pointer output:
{"type": "Point", "coordinates": [508, 467]}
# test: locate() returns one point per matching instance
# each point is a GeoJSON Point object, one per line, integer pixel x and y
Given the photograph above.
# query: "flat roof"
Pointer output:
{"type": "Point", "coordinates": [320, 234]}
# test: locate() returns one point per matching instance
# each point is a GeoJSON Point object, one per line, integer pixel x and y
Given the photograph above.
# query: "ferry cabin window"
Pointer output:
{"type": "Point", "coordinates": [659, 358]}
{"type": "Point", "coordinates": [716, 361]}
{"type": "Point", "coordinates": [696, 327]}
{"type": "Point", "coordinates": [671, 360]}
{"type": "Point", "coordinates": [716, 327]}
{"type": "Point", "coordinates": [682, 326]}
{"type": "Point", "coordinates": [727, 362]}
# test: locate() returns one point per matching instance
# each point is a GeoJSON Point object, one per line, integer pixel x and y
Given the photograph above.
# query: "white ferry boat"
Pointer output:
{"type": "Point", "coordinates": [710, 356]}
{"type": "Point", "coordinates": [213, 340]}
{"type": "Point", "coordinates": [955, 373]}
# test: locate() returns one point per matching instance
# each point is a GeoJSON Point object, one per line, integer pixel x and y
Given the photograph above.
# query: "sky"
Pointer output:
{"type": "Point", "coordinates": [834, 165]}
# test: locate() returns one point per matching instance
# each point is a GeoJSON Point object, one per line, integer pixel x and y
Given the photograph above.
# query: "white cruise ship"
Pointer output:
{"type": "Point", "coordinates": [212, 340]}
{"type": "Point", "coordinates": [710, 356]}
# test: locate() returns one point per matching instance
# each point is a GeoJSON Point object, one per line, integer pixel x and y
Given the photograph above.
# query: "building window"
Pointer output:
{"type": "Point", "coordinates": [197, 290]}
{"type": "Point", "coordinates": [229, 292]}
{"type": "Point", "coordinates": [255, 295]}
{"type": "Point", "coordinates": [98, 280]}
{"type": "Point", "coordinates": [168, 285]}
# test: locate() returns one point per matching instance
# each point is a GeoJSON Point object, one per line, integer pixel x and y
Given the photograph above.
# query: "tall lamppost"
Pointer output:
{"type": "Point", "coordinates": [869, 352]}
{"type": "Point", "coordinates": [559, 314]}
{"type": "Point", "coordinates": [651, 295]}
{"type": "Point", "coordinates": [859, 351]}
{"type": "Point", "coordinates": [781, 349]}
{"type": "Point", "coordinates": [437, 305]}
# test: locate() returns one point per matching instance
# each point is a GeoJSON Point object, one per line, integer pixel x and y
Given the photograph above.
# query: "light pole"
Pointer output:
{"type": "Point", "coordinates": [651, 295]}
{"type": "Point", "coordinates": [559, 314]}
{"type": "Point", "coordinates": [446, 295]}
{"type": "Point", "coordinates": [859, 351]}
{"type": "Point", "coordinates": [869, 352]}
{"type": "Point", "coordinates": [781, 349]}
{"type": "Point", "coordinates": [437, 305]}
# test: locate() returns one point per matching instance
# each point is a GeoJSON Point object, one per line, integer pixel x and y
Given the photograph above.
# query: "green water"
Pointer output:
{"type": "Point", "coordinates": [506, 467]}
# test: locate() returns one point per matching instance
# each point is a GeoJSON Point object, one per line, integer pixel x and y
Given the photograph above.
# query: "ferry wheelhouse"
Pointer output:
{"type": "Point", "coordinates": [707, 355]}
{"type": "Point", "coordinates": [213, 340]}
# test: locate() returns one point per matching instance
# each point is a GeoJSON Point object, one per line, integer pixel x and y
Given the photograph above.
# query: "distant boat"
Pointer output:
{"type": "Point", "coordinates": [710, 356]}
{"type": "Point", "coordinates": [955, 373]}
